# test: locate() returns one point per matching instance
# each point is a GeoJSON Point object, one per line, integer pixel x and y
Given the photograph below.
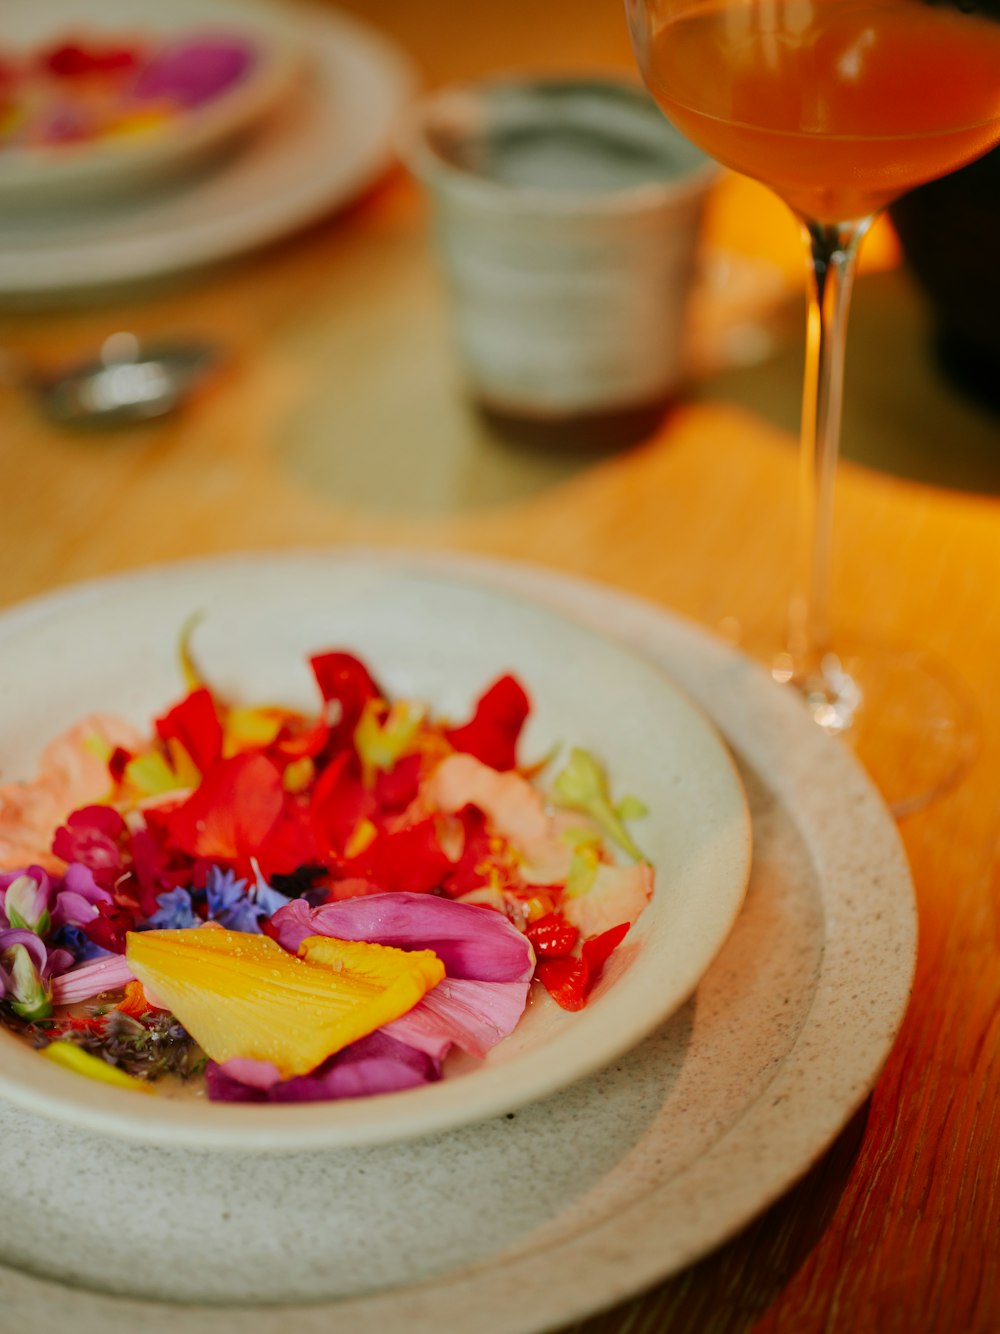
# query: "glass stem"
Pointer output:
{"type": "Point", "coordinates": [832, 252]}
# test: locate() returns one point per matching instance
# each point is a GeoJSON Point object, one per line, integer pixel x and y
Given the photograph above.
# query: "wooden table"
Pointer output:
{"type": "Point", "coordinates": [340, 417]}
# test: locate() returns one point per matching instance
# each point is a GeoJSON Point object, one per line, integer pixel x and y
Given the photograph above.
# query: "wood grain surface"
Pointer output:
{"type": "Point", "coordinates": [340, 416]}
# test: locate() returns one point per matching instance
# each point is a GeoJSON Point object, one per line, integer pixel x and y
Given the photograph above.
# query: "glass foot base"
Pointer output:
{"type": "Point", "coordinates": [908, 719]}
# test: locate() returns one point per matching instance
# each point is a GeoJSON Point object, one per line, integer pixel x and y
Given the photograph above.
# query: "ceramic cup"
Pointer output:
{"type": "Point", "coordinates": [566, 214]}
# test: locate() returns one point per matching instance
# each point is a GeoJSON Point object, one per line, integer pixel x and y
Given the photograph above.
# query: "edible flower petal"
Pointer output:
{"type": "Point", "coordinates": [244, 996]}
{"type": "Point", "coordinates": [472, 1015]}
{"type": "Point", "coordinates": [195, 725]}
{"type": "Point", "coordinates": [107, 973]}
{"type": "Point", "coordinates": [193, 72]}
{"type": "Point", "coordinates": [92, 836]}
{"type": "Point", "coordinates": [241, 811]}
{"type": "Point", "coordinates": [72, 772]}
{"type": "Point", "coordinates": [470, 941]}
{"type": "Point", "coordinates": [175, 911]}
{"type": "Point", "coordinates": [410, 859]}
{"type": "Point", "coordinates": [76, 902]}
{"type": "Point", "coordinates": [26, 901]}
{"type": "Point", "coordinates": [345, 682]}
{"type": "Point", "coordinates": [76, 941]}
{"type": "Point", "coordinates": [22, 974]}
{"type": "Point", "coordinates": [375, 1064]}
{"type": "Point", "coordinates": [493, 731]}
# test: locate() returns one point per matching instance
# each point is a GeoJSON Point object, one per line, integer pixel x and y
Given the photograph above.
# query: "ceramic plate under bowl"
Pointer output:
{"type": "Point", "coordinates": [77, 171]}
{"type": "Point", "coordinates": [111, 646]}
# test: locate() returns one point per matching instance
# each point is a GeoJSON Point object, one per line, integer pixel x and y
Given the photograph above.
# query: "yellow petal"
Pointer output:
{"type": "Point", "coordinates": [72, 1057]}
{"type": "Point", "coordinates": [242, 995]}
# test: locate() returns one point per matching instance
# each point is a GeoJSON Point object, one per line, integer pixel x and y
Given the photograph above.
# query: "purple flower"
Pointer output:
{"type": "Point", "coordinates": [270, 900]}
{"type": "Point", "coordinates": [27, 899]}
{"type": "Point", "coordinates": [232, 904]}
{"type": "Point", "coordinates": [23, 985]}
{"type": "Point", "coordinates": [76, 901]}
{"type": "Point", "coordinates": [175, 911]}
{"type": "Point", "coordinates": [229, 904]}
{"type": "Point", "coordinates": [79, 944]}
{"type": "Point", "coordinates": [31, 900]}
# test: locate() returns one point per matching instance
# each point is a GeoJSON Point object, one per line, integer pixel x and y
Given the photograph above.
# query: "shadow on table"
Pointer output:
{"type": "Point", "coordinates": [476, 460]}
{"type": "Point", "coordinates": [729, 1291]}
{"type": "Point", "coordinates": [903, 413]}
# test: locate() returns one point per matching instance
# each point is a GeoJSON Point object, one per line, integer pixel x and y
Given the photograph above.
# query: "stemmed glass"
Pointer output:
{"type": "Point", "coordinates": [839, 106]}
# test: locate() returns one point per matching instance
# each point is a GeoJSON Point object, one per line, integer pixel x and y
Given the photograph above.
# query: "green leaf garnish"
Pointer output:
{"type": "Point", "coordinates": [583, 786]}
{"type": "Point", "coordinates": [582, 872]}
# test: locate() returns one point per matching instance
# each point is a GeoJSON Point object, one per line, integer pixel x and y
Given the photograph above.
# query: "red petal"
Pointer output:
{"type": "Point", "coordinates": [108, 929]}
{"type": "Point", "coordinates": [344, 679]}
{"type": "Point", "coordinates": [596, 950]}
{"type": "Point", "coordinates": [195, 723]}
{"type": "Point", "coordinates": [565, 980]}
{"type": "Point", "coordinates": [395, 790]}
{"type": "Point", "coordinates": [103, 818]}
{"type": "Point", "coordinates": [296, 743]}
{"type": "Point", "coordinates": [471, 871]}
{"type": "Point", "coordinates": [492, 733]}
{"type": "Point", "coordinates": [157, 864]}
{"type": "Point", "coordinates": [118, 762]}
{"type": "Point", "coordinates": [352, 888]}
{"type": "Point", "coordinates": [92, 835]}
{"type": "Point", "coordinates": [289, 844]}
{"type": "Point", "coordinates": [231, 813]}
{"type": "Point", "coordinates": [338, 804]}
{"type": "Point", "coordinates": [408, 860]}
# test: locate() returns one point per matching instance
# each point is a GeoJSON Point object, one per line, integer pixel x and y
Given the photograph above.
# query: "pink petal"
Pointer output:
{"type": "Point", "coordinates": [90, 979]}
{"type": "Point", "coordinates": [470, 941]}
{"type": "Point", "coordinates": [246, 1070]}
{"type": "Point", "coordinates": [473, 1015]}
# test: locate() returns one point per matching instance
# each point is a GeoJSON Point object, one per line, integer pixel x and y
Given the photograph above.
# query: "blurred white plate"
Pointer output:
{"type": "Point", "coordinates": [324, 143]}
{"type": "Point", "coordinates": [74, 171]}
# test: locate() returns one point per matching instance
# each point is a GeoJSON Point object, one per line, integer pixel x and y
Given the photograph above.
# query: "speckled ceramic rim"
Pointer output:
{"type": "Point", "coordinates": [858, 1004]}
{"type": "Point", "coordinates": [700, 838]}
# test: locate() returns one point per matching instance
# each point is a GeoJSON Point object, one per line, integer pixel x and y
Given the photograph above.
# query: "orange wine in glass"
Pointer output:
{"type": "Point", "coordinates": [839, 106]}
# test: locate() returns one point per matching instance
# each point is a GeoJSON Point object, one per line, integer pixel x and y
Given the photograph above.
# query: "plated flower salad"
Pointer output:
{"type": "Point", "coordinates": [277, 906]}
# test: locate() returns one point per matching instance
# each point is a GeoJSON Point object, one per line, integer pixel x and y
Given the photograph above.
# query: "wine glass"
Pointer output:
{"type": "Point", "coordinates": [839, 106]}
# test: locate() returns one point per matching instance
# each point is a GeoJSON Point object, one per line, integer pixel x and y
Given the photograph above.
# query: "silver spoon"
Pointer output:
{"type": "Point", "coordinates": [127, 382]}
